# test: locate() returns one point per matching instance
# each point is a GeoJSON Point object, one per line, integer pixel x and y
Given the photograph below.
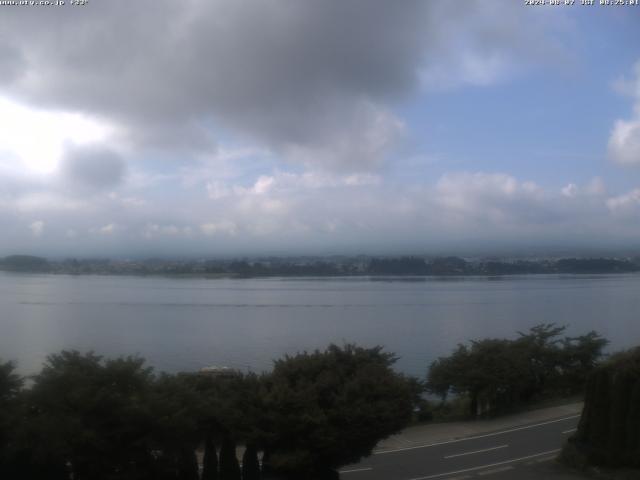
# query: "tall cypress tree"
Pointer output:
{"type": "Point", "coordinates": [609, 430]}
{"type": "Point", "coordinates": [188, 465]}
{"type": "Point", "coordinates": [229, 467]}
{"type": "Point", "coordinates": [250, 464]}
{"type": "Point", "coordinates": [210, 460]}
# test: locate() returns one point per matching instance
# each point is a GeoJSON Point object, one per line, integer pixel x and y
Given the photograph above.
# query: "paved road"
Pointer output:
{"type": "Point", "coordinates": [496, 455]}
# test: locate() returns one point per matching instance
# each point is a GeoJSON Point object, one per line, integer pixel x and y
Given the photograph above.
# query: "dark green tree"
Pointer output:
{"type": "Point", "coordinates": [177, 409]}
{"type": "Point", "coordinates": [446, 373]}
{"type": "Point", "coordinates": [541, 345]}
{"type": "Point", "coordinates": [496, 374]}
{"type": "Point", "coordinates": [188, 464]}
{"type": "Point", "coordinates": [330, 408]}
{"type": "Point", "coordinates": [609, 430]}
{"type": "Point", "coordinates": [250, 463]}
{"type": "Point", "coordinates": [210, 460]}
{"type": "Point", "coordinates": [580, 357]}
{"type": "Point", "coordinates": [90, 415]}
{"type": "Point", "coordinates": [10, 390]}
{"type": "Point", "coordinates": [229, 466]}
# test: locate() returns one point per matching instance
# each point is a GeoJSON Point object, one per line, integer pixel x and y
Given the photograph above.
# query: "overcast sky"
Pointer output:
{"type": "Point", "coordinates": [210, 127]}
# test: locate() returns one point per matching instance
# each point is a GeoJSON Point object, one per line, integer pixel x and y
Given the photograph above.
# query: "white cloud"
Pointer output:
{"type": "Point", "coordinates": [37, 228]}
{"type": "Point", "coordinates": [315, 211]}
{"type": "Point", "coordinates": [37, 138]}
{"type": "Point", "coordinates": [216, 228]}
{"type": "Point", "coordinates": [625, 204]}
{"type": "Point", "coordinates": [594, 188]}
{"type": "Point", "coordinates": [154, 230]}
{"type": "Point", "coordinates": [624, 141]}
{"type": "Point", "coordinates": [108, 229]}
{"type": "Point", "coordinates": [570, 190]}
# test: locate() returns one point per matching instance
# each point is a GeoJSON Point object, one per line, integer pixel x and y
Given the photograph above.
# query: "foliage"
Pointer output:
{"type": "Point", "coordinates": [24, 263]}
{"type": "Point", "coordinates": [10, 385]}
{"type": "Point", "coordinates": [210, 460]}
{"type": "Point", "coordinates": [497, 374]}
{"type": "Point", "coordinates": [91, 415]}
{"type": "Point", "coordinates": [87, 417]}
{"type": "Point", "coordinates": [327, 409]}
{"type": "Point", "coordinates": [250, 463]}
{"type": "Point", "coordinates": [609, 429]}
{"type": "Point", "coordinates": [229, 466]}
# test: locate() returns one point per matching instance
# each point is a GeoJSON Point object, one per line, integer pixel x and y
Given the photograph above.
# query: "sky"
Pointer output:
{"type": "Point", "coordinates": [216, 128]}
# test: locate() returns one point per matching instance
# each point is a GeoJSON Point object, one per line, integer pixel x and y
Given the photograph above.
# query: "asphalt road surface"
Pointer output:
{"type": "Point", "coordinates": [491, 455]}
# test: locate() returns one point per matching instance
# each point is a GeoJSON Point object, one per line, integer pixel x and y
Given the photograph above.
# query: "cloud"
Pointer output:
{"type": "Point", "coordinates": [594, 188]}
{"type": "Point", "coordinates": [469, 46]}
{"type": "Point", "coordinates": [11, 63]}
{"type": "Point", "coordinates": [491, 197]}
{"type": "Point", "coordinates": [32, 140]}
{"type": "Point", "coordinates": [217, 127]}
{"type": "Point", "coordinates": [319, 212]}
{"type": "Point", "coordinates": [154, 230]}
{"type": "Point", "coordinates": [315, 82]}
{"type": "Point", "coordinates": [108, 229]}
{"type": "Point", "coordinates": [626, 204]}
{"type": "Point", "coordinates": [216, 228]}
{"type": "Point", "coordinates": [92, 167]}
{"type": "Point", "coordinates": [37, 228]}
{"type": "Point", "coordinates": [624, 141]}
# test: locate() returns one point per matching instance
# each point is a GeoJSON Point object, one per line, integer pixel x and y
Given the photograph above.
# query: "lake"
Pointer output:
{"type": "Point", "coordinates": [185, 324]}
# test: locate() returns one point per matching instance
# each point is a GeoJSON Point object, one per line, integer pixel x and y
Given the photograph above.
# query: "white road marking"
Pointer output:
{"type": "Point", "coordinates": [571, 430]}
{"type": "Point", "coordinates": [476, 451]}
{"type": "Point", "coordinates": [476, 437]}
{"type": "Point", "coordinates": [472, 469]}
{"type": "Point", "coordinates": [356, 470]}
{"type": "Point", "coordinates": [496, 470]}
{"type": "Point", "coordinates": [547, 459]}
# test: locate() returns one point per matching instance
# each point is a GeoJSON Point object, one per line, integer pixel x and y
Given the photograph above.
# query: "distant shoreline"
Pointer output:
{"type": "Point", "coordinates": [343, 267]}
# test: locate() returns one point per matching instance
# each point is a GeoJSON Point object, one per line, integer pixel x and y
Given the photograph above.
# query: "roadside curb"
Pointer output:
{"type": "Point", "coordinates": [423, 435]}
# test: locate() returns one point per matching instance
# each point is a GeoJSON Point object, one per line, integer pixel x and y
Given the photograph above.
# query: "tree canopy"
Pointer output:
{"type": "Point", "coordinates": [498, 373]}
{"type": "Point", "coordinates": [330, 408]}
{"type": "Point", "coordinates": [88, 417]}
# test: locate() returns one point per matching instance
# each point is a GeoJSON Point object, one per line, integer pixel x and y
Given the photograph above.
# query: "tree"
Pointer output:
{"type": "Point", "coordinates": [250, 464]}
{"type": "Point", "coordinates": [609, 430]}
{"type": "Point", "coordinates": [229, 467]}
{"type": "Point", "coordinates": [330, 408]}
{"type": "Point", "coordinates": [210, 460]}
{"type": "Point", "coordinates": [541, 346]}
{"type": "Point", "coordinates": [496, 374]}
{"type": "Point", "coordinates": [91, 415]}
{"type": "Point", "coordinates": [187, 464]}
{"type": "Point", "coordinates": [177, 409]}
{"type": "Point", "coordinates": [10, 390]}
{"type": "Point", "coordinates": [445, 373]}
{"type": "Point", "coordinates": [580, 357]}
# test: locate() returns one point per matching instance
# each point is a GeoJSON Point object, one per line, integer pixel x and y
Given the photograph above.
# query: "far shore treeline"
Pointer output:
{"type": "Point", "coordinates": [88, 417]}
{"type": "Point", "coordinates": [321, 266]}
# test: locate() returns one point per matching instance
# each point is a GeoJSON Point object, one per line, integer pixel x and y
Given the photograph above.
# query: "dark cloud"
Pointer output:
{"type": "Point", "coordinates": [288, 73]}
{"type": "Point", "coordinates": [92, 167]}
{"type": "Point", "coordinates": [314, 81]}
{"type": "Point", "coordinates": [11, 61]}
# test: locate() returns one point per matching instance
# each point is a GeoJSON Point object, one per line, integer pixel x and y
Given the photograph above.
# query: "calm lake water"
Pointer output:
{"type": "Point", "coordinates": [185, 324]}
